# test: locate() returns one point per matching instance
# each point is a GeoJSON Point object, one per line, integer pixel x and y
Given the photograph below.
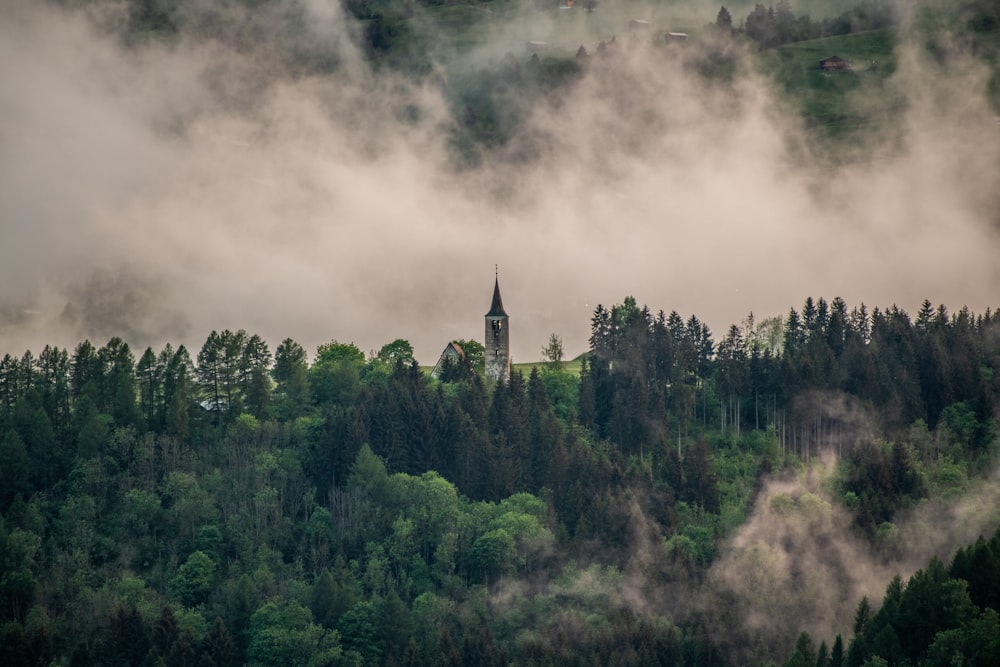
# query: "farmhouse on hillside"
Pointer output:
{"type": "Point", "coordinates": [834, 64]}
{"type": "Point", "coordinates": [452, 352]}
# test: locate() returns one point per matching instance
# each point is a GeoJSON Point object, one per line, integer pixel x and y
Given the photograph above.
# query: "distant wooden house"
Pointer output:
{"type": "Point", "coordinates": [535, 46]}
{"type": "Point", "coordinates": [834, 64]}
{"type": "Point", "coordinates": [638, 25]}
{"type": "Point", "coordinates": [453, 353]}
{"type": "Point", "coordinates": [675, 36]}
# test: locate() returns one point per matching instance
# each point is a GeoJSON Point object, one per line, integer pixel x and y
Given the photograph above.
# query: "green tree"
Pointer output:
{"type": "Point", "coordinates": [219, 647]}
{"type": "Point", "coordinates": [283, 634]}
{"type": "Point", "coordinates": [149, 375]}
{"type": "Point", "coordinates": [398, 351]}
{"type": "Point", "coordinates": [255, 378]}
{"type": "Point", "coordinates": [291, 375]}
{"type": "Point", "coordinates": [805, 654]}
{"type": "Point", "coordinates": [221, 372]}
{"type": "Point", "coordinates": [932, 602]}
{"type": "Point", "coordinates": [15, 468]}
{"type": "Point", "coordinates": [553, 353]}
{"type": "Point", "coordinates": [333, 593]}
{"type": "Point", "coordinates": [724, 20]}
{"type": "Point", "coordinates": [119, 383]}
{"type": "Point", "coordinates": [837, 652]}
{"type": "Point", "coordinates": [475, 353]}
{"type": "Point", "coordinates": [19, 568]}
{"type": "Point", "coordinates": [195, 579]}
{"type": "Point", "coordinates": [335, 376]}
{"type": "Point", "coordinates": [178, 391]}
{"type": "Point", "coordinates": [359, 632]}
{"type": "Point", "coordinates": [492, 554]}
{"type": "Point", "coordinates": [975, 643]}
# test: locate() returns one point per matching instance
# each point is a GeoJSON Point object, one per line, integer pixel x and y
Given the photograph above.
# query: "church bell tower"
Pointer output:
{"type": "Point", "coordinates": [497, 338]}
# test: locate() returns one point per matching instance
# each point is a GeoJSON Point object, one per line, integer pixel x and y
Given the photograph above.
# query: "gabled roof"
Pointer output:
{"type": "Point", "coordinates": [453, 350]}
{"type": "Point", "coordinates": [496, 309]}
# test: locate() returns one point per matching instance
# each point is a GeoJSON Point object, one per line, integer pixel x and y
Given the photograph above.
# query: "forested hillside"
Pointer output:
{"type": "Point", "coordinates": [475, 51]}
{"type": "Point", "coordinates": [235, 506]}
{"type": "Point", "coordinates": [819, 487]}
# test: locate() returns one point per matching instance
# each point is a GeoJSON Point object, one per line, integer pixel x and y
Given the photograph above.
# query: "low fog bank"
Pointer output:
{"type": "Point", "coordinates": [164, 189]}
{"type": "Point", "coordinates": [798, 565]}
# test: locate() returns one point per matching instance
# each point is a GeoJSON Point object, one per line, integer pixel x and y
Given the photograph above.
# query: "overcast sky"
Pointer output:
{"type": "Point", "coordinates": [162, 191]}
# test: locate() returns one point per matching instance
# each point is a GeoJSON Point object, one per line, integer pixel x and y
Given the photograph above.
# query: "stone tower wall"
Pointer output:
{"type": "Point", "coordinates": [497, 344]}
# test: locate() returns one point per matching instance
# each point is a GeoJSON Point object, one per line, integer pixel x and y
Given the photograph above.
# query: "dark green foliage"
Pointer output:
{"type": "Point", "coordinates": [773, 25]}
{"type": "Point", "coordinates": [883, 479]}
{"type": "Point", "coordinates": [291, 373]}
{"type": "Point", "coordinates": [979, 564]}
{"type": "Point", "coordinates": [805, 654]}
{"type": "Point", "coordinates": [932, 620]}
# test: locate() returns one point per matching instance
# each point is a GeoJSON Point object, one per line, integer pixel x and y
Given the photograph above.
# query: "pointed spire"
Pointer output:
{"type": "Point", "coordinates": [496, 308]}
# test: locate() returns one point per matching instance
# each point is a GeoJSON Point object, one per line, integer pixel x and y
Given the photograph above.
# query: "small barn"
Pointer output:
{"type": "Point", "coordinates": [834, 64]}
{"type": "Point", "coordinates": [452, 352]}
{"type": "Point", "coordinates": [638, 25]}
{"type": "Point", "coordinates": [533, 46]}
{"type": "Point", "coordinates": [675, 36]}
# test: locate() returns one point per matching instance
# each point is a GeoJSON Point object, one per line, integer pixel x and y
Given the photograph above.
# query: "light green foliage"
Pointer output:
{"type": "Point", "coordinates": [875, 661]}
{"type": "Point", "coordinates": [284, 635]}
{"type": "Point", "coordinates": [492, 554]}
{"type": "Point", "coordinates": [474, 353]}
{"type": "Point", "coordinates": [563, 392]}
{"type": "Point", "coordinates": [195, 579]}
{"type": "Point", "coordinates": [368, 474]}
{"type": "Point", "coordinates": [334, 352]}
{"type": "Point", "coordinates": [193, 621]}
{"type": "Point", "coordinates": [682, 549]}
{"type": "Point", "coordinates": [523, 503]}
{"type": "Point", "coordinates": [693, 546]}
{"type": "Point", "coordinates": [398, 351]}
{"type": "Point", "coordinates": [381, 366]}
{"type": "Point", "coordinates": [553, 353]}
{"type": "Point", "coordinates": [335, 376]}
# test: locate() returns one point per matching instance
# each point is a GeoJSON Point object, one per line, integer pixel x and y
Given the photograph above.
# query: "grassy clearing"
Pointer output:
{"type": "Point", "coordinates": [836, 104]}
{"type": "Point", "coordinates": [571, 367]}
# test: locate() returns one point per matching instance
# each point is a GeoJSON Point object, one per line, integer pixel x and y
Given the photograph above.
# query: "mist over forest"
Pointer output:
{"type": "Point", "coordinates": [172, 167]}
{"type": "Point", "coordinates": [235, 236]}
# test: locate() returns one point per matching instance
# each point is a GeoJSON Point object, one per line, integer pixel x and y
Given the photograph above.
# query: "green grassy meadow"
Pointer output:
{"type": "Point", "coordinates": [840, 103]}
{"type": "Point", "coordinates": [571, 366]}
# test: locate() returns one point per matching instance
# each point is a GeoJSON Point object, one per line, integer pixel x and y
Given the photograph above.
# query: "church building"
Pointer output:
{"type": "Point", "coordinates": [497, 344]}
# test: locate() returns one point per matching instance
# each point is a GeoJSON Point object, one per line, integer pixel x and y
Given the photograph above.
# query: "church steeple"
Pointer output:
{"type": "Point", "coordinates": [496, 309]}
{"type": "Point", "coordinates": [497, 338]}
